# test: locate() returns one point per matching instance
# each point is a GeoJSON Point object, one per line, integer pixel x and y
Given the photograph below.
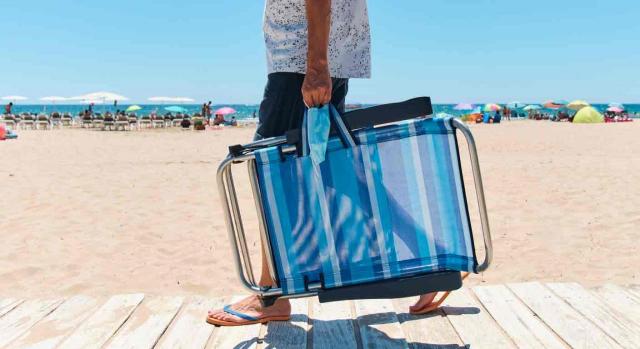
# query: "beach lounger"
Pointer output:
{"type": "Point", "coordinates": [27, 120]}
{"type": "Point", "coordinates": [66, 120]}
{"type": "Point", "coordinates": [98, 121]}
{"type": "Point", "coordinates": [157, 121]}
{"type": "Point", "coordinates": [9, 121]}
{"type": "Point", "coordinates": [122, 122]}
{"type": "Point", "coordinates": [43, 121]}
{"type": "Point", "coordinates": [109, 122]}
{"type": "Point", "coordinates": [386, 218]}
{"type": "Point", "coordinates": [145, 120]}
{"type": "Point", "coordinates": [133, 121]}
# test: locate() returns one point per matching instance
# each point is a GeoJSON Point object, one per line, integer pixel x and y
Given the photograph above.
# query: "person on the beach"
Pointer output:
{"type": "Point", "coordinates": [313, 48]}
{"type": "Point", "coordinates": [7, 108]}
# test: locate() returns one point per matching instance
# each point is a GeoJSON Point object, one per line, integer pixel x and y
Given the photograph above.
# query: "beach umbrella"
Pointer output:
{"type": "Point", "coordinates": [578, 104]}
{"type": "Point", "coordinates": [588, 115]}
{"type": "Point", "coordinates": [464, 106]}
{"type": "Point", "coordinates": [492, 107]}
{"type": "Point", "coordinates": [133, 108]}
{"type": "Point", "coordinates": [615, 109]}
{"type": "Point", "coordinates": [176, 109]}
{"type": "Point", "coordinates": [552, 105]}
{"type": "Point", "coordinates": [88, 101]}
{"type": "Point", "coordinates": [183, 100]}
{"type": "Point", "coordinates": [616, 105]}
{"type": "Point", "coordinates": [105, 97]}
{"type": "Point", "coordinates": [516, 105]}
{"type": "Point", "coordinates": [532, 107]}
{"type": "Point", "coordinates": [54, 99]}
{"type": "Point", "coordinates": [14, 98]}
{"type": "Point", "coordinates": [225, 111]}
{"type": "Point", "coordinates": [160, 99]}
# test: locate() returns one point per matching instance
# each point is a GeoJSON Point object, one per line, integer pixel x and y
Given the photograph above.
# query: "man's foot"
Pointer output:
{"type": "Point", "coordinates": [424, 301]}
{"type": "Point", "coordinates": [250, 311]}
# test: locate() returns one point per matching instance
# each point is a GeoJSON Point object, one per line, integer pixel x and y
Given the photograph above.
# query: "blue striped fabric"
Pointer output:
{"type": "Point", "coordinates": [391, 206]}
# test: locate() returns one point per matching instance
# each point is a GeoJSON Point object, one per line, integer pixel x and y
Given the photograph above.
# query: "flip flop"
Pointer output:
{"type": "Point", "coordinates": [248, 319]}
{"type": "Point", "coordinates": [434, 305]}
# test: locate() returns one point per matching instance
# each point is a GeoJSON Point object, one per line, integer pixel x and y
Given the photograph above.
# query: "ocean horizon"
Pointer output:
{"type": "Point", "coordinates": [243, 110]}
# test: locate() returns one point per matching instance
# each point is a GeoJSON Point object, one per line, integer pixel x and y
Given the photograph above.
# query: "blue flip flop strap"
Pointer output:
{"type": "Point", "coordinates": [227, 309]}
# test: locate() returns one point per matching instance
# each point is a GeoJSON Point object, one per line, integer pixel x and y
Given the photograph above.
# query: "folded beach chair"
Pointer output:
{"type": "Point", "coordinates": [384, 216]}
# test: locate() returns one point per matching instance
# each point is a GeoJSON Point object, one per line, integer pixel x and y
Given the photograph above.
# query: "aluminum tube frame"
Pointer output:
{"type": "Point", "coordinates": [477, 179]}
{"type": "Point", "coordinates": [237, 236]}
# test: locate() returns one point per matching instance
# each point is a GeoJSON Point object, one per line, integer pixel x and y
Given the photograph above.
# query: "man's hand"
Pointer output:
{"type": "Point", "coordinates": [317, 85]}
{"type": "Point", "coordinates": [316, 88]}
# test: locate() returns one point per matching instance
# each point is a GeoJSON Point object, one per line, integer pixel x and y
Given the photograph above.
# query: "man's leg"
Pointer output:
{"type": "Point", "coordinates": [282, 109]}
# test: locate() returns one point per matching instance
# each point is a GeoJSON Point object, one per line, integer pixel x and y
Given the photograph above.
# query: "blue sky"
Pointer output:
{"type": "Point", "coordinates": [451, 50]}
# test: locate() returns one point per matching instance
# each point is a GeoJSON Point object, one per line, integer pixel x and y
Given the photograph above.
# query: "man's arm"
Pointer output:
{"type": "Point", "coordinates": [316, 89]}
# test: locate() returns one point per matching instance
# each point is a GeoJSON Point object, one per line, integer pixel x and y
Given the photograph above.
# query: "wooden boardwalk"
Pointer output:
{"type": "Point", "coordinates": [526, 315]}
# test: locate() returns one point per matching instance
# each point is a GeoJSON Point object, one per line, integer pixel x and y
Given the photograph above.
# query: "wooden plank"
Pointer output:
{"type": "Point", "coordinates": [289, 334]}
{"type": "Point", "coordinates": [190, 329]}
{"type": "Point", "coordinates": [332, 325]}
{"type": "Point", "coordinates": [6, 305]}
{"type": "Point", "coordinates": [473, 324]}
{"type": "Point", "coordinates": [614, 323]}
{"type": "Point", "coordinates": [621, 300]}
{"type": "Point", "coordinates": [245, 337]}
{"type": "Point", "coordinates": [148, 322]}
{"type": "Point", "coordinates": [378, 324]}
{"type": "Point", "coordinates": [23, 317]}
{"type": "Point", "coordinates": [431, 331]}
{"type": "Point", "coordinates": [51, 330]}
{"type": "Point", "coordinates": [567, 322]}
{"type": "Point", "coordinates": [96, 330]}
{"type": "Point", "coordinates": [518, 321]}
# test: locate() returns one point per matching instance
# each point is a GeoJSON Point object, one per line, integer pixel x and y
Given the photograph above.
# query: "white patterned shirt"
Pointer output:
{"type": "Point", "coordinates": [285, 33]}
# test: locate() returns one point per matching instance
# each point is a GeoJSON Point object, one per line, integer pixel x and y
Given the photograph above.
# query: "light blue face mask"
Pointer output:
{"type": "Point", "coordinates": [318, 127]}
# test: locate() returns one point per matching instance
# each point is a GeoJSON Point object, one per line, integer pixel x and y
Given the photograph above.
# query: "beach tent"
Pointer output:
{"type": "Point", "coordinates": [588, 115]}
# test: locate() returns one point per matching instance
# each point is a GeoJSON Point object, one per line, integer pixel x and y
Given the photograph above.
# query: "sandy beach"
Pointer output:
{"type": "Point", "coordinates": [96, 213]}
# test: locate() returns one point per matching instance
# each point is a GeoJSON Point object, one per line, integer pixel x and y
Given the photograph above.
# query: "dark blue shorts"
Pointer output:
{"type": "Point", "coordinates": [282, 107]}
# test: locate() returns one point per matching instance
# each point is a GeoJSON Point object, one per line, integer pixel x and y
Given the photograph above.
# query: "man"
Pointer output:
{"type": "Point", "coordinates": [313, 48]}
{"type": "Point", "coordinates": [7, 108]}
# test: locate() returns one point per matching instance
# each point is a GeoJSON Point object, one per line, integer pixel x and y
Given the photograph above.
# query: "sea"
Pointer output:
{"type": "Point", "coordinates": [243, 111]}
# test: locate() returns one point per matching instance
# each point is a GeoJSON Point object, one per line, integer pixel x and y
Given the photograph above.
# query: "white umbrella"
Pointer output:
{"type": "Point", "coordinates": [183, 99]}
{"type": "Point", "coordinates": [101, 96]}
{"type": "Point", "coordinates": [161, 99]}
{"type": "Point", "coordinates": [88, 101]}
{"type": "Point", "coordinates": [14, 98]}
{"type": "Point", "coordinates": [54, 99]}
{"type": "Point", "coordinates": [172, 99]}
